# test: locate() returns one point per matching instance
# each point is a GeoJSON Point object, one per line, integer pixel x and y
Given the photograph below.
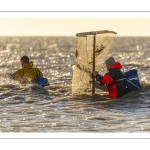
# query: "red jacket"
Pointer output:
{"type": "Point", "coordinates": [115, 88]}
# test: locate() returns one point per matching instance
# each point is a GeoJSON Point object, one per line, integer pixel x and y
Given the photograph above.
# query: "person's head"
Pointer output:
{"type": "Point", "coordinates": [109, 62]}
{"type": "Point", "coordinates": [24, 60]}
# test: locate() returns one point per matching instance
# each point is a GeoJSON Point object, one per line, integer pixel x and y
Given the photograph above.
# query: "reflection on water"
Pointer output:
{"type": "Point", "coordinates": [53, 109]}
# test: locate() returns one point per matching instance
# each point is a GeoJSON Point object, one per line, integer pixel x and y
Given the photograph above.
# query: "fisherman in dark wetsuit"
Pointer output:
{"type": "Point", "coordinates": [114, 79]}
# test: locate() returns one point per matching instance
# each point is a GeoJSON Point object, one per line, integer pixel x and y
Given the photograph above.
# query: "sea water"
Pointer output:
{"type": "Point", "coordinates": [30, 108]}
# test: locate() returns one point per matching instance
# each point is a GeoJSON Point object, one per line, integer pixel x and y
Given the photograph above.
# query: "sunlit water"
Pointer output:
{"type": "Point", "coordinates": [53, 109]}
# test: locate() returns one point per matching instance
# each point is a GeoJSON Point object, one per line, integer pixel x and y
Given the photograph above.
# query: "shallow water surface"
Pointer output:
{"type": "Point", "coordinates": [54, 109]}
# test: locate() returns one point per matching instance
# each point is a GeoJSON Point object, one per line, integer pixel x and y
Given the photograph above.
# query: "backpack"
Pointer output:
{"type": "Point", "coordinates": [41, 81]}
{"type": "Point", "coordinates": [132, 80]}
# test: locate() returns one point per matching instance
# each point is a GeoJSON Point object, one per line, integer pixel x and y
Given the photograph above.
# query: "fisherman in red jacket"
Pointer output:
{"type": "Point", "coordinates": [114, 79]}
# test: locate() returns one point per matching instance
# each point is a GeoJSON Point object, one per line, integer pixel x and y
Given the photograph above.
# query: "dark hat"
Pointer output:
{"type": "Point", "coordinates": [110, 61]}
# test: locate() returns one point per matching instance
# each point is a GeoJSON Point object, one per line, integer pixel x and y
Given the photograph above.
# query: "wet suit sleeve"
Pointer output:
{"type": "Point", "coordinates": [18, 74]}
{"type": "Point", "coordinates": [99, 78]}
{"type": "Point", "coordinates": [106, 79]}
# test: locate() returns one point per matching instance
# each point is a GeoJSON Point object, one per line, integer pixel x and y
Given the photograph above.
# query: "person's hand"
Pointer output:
{"type": "Point", "coordinates": [95, 73]}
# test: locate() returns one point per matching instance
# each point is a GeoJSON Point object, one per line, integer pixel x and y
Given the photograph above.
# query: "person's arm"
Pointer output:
{"type": "Point", "coordinates": [10, 75]}
{"type": "Point", "coordinates": [98, 76]}
{"type": "Point", "coordinates": [17, 75]}
{"type": "Point", "coordinates": [106, 79]}
{"type": "Point", "coordinates": [39, 72]}
{"type": "Point", "coordinates": [7, 75]}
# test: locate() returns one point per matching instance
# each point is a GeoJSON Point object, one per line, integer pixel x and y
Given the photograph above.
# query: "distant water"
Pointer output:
{"type": "Point", "coordinates": [54, 109]}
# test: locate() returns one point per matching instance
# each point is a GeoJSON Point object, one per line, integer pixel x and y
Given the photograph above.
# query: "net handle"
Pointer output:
{"type": "Point", "coordinates": [93, 80]}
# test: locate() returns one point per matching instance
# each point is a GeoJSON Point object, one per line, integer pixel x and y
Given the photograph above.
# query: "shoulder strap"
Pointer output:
{"type": "Point", "coordinates": [120, 79]}
{"type": "Point", "coordinates": [133, 84]}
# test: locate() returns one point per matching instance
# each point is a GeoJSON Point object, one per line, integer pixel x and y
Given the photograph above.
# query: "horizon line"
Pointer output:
{"type": "Point", "coordinates": [70, 35]}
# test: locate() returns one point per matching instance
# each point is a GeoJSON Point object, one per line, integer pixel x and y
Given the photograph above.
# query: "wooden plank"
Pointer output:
{"type": "Point", "coordinates": [93, 83]}
{"type": "Point", "coordinates": [95, 32]}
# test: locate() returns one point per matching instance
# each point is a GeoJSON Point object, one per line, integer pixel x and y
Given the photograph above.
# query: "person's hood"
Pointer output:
{"type": "Point", "coordinates": [116, 65]}
{"type": "Point", "coordinates": [28, 65]}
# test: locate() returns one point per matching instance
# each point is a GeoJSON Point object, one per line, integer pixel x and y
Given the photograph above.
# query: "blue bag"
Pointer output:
{"type": "Point", "coordinates": [132, 80]}
{"type": "Point", "coordinates": [41, 81]}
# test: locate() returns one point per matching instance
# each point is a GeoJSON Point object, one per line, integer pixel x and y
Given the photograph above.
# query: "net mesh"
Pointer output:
{"type": "Point", "coordinates": [84, 59]}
